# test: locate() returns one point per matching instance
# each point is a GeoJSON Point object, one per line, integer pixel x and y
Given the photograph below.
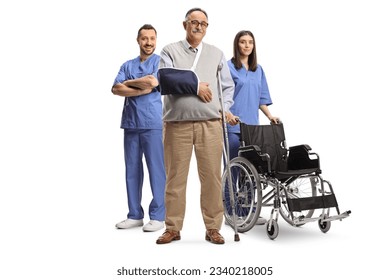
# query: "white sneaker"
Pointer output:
{"type": "Point", "coordinates": [130, 223]}
{"type": "Point", "coordinates": [153, 225]}
{"type": "Point", "coordinates": [261, 221]}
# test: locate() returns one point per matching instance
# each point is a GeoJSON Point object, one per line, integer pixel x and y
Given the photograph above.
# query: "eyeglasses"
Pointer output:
{"type": "Point", "coordinates": [196, 23]}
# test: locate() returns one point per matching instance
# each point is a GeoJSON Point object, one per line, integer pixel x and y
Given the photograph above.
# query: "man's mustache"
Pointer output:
{"type": "Point", "coordinates": [196, 30]}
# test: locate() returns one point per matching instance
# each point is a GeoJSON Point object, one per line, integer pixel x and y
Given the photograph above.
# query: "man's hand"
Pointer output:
{"type": "Point", "coordinates": [145, 91]}
{"type": "Point", "coordinates": [205, 93]}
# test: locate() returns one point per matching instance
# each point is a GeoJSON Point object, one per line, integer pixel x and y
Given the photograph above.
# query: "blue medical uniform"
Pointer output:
{"type": "Point", "coordinates": [142, 124]}
{"type": "Point", "coordinates": [251, 91]}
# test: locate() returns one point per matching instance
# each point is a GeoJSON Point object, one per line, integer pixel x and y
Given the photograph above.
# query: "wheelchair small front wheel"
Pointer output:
{"type": "Point", "coordinates": [272, 229]}
{"type": "Point", "coordinates": [324, 226]}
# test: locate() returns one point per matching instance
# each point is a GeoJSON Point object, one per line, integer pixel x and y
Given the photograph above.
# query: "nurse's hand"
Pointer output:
{"type": "Point", "coordinates": [274, 120]}
{"type": "Point", "coordinates": [231, 119]}
{"type": "Point", "coordinates": [205, 93]}
{"type": "Point", "coordinates": [144, 91]}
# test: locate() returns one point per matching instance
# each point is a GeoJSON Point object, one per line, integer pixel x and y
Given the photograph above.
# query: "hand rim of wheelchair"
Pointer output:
{"type": "Point", "coordinates": [250, 172]}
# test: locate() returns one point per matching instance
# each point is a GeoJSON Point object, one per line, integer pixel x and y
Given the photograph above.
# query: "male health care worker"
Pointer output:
{"type": "Point", "coordinates": [142, 124]}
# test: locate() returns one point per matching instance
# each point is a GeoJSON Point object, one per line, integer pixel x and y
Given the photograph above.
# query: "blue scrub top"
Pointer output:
{"type": "Point", "coordinates": [251, 91]}
{"type": "Point", "coordinates": [144, 111]}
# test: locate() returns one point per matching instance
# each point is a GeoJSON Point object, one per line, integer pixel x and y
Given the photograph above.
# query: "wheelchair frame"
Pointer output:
{"type": "Point", "coordinates": [295, 193]}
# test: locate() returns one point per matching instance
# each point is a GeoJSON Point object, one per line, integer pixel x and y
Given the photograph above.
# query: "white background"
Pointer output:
{"type": "Point", "coordinates": [61, 156]}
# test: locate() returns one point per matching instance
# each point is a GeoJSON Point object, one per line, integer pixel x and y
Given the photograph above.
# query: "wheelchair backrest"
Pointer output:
{"type": "Point", "coordinates": [271, 140]}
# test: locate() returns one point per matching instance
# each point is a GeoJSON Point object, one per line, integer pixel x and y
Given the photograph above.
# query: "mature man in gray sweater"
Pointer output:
{"type": "Point", "coordinates": [192, 120]}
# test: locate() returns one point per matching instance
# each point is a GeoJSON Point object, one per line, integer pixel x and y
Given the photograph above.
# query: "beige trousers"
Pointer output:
{"type": "Point", "coordinates": [180, 138]}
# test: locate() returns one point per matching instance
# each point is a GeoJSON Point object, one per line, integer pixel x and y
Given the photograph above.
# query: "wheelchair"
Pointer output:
{"type": "Point", "coordinates": [267, 173]}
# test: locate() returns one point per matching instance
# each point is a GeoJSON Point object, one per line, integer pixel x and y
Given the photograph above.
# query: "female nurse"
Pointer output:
{"type": "Point", "coordinates": [251, 91]}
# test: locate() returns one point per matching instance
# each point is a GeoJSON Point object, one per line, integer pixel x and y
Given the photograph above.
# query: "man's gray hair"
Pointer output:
{"type": "Point", "coordinates": [196, 10]}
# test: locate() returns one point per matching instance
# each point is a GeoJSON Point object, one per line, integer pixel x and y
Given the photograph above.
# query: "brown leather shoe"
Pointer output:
{"type": "Point", "coordinates": [214, 236]}
{"type": "Point", "coordinates": [168, 236]}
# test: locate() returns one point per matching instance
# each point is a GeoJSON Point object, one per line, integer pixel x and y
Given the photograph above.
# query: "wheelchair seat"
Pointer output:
{"type": "Point", "coordinates": [265, 146]}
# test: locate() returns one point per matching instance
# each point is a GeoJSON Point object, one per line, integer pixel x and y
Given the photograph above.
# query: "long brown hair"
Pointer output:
{"type": "Point", "coordinates": [252, 59]}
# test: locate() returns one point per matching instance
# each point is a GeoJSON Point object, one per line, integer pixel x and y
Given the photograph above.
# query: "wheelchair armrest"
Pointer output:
{"type": "Point", "coordinates": [303, 147]}
{"type": "Point", "coordinates": [299, 157]}
{"type": "Point", "coordinates": [262, 161]}
{"type": "Point", "coordinates": [250, 148]}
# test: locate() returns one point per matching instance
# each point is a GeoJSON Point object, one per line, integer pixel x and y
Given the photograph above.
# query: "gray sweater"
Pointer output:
{"type": "Point", "coordinates": [190, 107]}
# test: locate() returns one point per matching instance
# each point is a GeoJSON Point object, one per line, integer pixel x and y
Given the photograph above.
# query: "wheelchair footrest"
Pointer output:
{"type": "Point", "coordinates": [315, 202]}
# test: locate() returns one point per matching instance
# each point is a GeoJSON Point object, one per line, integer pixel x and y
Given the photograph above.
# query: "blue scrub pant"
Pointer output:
{"type": "Point", "coordinates": [234, 144]}
{"type": "Point", "coordinates": [147, 142]}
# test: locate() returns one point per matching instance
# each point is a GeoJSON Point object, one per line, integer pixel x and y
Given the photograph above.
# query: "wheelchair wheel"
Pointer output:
{"type": "Point", "coordinates": [304, 186]}
{"type": "Point", "coordinates": [273, 230]}
{"type": "Point", "coordinates": [324, 226]}
{"type": "Point", "coordinates": [247, 194]}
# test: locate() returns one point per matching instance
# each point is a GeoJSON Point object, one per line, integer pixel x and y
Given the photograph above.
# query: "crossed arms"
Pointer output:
{"type": "Point", "coordinates": [136, 87]}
